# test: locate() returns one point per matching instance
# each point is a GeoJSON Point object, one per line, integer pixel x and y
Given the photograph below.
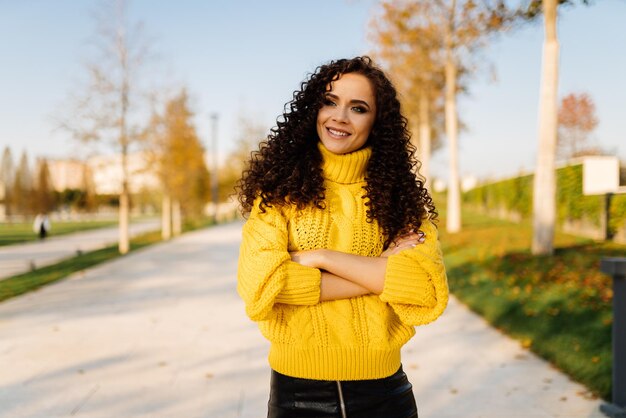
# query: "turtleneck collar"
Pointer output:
{"type": "Point", "coordinates": [345, 168]}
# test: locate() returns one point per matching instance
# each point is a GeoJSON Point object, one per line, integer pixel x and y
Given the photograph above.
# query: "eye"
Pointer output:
{"type": "Point", "coordinates": [359, 109]}
{"type": "Point", "coordinates": [328, 102]}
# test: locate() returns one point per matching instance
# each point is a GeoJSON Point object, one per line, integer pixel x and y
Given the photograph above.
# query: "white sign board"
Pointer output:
{"type": "Point", "coordinates": [600, 175]}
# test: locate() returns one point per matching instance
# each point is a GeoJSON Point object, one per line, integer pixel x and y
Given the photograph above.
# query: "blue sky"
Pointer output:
{"type": "Point", "coordinates": [248, 56]}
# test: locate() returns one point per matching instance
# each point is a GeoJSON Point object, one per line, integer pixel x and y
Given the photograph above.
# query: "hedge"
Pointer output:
{"type": "Point", "coordinates": [515, 196]}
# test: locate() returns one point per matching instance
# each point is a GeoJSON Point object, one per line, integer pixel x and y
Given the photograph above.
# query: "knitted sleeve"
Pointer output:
{"type": "Point", "coordinates": [416, 286]}
{"type": "Point", "coordinates": [266, 275]}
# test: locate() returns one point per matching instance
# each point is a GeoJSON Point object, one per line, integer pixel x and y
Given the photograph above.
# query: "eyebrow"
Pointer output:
{"type": "Point", "coordinates": [353, 101]}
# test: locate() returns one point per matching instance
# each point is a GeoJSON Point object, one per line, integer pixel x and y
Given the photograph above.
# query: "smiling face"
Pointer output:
{"type": "Point", "coordinates": [345, 120]}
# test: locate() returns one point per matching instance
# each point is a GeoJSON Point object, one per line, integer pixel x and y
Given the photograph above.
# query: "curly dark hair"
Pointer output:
{"type": "Point", "coordinates": [287, 167]}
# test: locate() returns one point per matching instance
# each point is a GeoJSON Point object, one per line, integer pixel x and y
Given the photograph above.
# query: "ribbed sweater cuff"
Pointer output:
{"type": "Point", "coordinates": [406, 284]}
{"type": "Point", "coordinates": [302, 285]}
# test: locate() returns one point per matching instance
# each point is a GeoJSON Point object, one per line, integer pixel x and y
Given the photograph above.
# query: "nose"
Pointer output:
{"type": "Point", "coordinates": [340, 114]}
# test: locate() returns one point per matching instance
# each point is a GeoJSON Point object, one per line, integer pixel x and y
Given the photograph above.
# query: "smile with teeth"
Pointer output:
{"type": "Point", "coordinates": [337, 133]}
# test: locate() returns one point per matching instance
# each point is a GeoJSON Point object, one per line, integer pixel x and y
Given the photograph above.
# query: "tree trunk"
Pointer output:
{"type": "Point", "coordinates": [214, 169]}
{"type": "Point", "coordinates": [424, 137]}
{"type": "Point", "coordinates": [544, 205]}
{"type": "Point", "coordinates": [4, 199]}
{"type": "Point", "coordinates": [453, 215]}
{"type": "Point", "coordinates": [124, 244]}
{"type": "Point", "coordinates": [177, 221]}
{"type": "Point", "coordinates": [166, 217]}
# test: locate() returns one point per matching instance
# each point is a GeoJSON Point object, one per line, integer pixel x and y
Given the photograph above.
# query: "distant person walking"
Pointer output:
{"type": "Point", "coordinates": [340, 258]}
{"type": "Point", "coordinates": [41, 226]}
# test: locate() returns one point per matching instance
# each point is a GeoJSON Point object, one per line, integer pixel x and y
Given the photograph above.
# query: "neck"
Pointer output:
{"type": "Point", "coordinates": [345, 168]}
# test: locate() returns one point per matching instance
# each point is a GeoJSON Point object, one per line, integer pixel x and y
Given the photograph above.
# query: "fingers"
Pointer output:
{"type": "Point", "coordinates": [409, 244]}
{"type": "Point", "coordinates": [404, 242]}
{"type": "Point", "coordinates": [414, 237]}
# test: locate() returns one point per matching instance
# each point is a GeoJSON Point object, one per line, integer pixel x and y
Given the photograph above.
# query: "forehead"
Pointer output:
{"type": "Point", "coordinates": [352, 86]}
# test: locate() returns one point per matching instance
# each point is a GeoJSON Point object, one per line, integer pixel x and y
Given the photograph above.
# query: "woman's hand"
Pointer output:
{"type": "Point", "coordinates": [404, 242]}
{"type": "Point", "coordinates": [310, 258]}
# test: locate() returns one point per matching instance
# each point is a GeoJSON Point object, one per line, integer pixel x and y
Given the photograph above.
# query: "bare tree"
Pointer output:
{"type": "Point", "coordinates": [89, 188]}
{"type": "Point", "coordinates": [178, 158]}
{"type": "Point", "coordinates": [460, 28]}
{"type": "Point", "coordinates": [544, 187]}
{"type": "Point", "coordinates": [23, 187]}
{"type": "Point", "coordinates": [42, 190]}
{"type": "Point", "coordinates": [7, 171]}
{"type": "Point", "coordinates": [410, 50]}
{"type": "Point", "coordinates": [110, 110]}
{"type": "Point", "coordinates": [544, 204]}
{"type": "Point", "coordinates": [250, 133]}
{"type": "Point", "coordinates": [577, 120]}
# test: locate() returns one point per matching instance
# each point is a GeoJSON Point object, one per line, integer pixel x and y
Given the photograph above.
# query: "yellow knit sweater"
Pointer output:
{"type": "Point", "coordinates": [348, 339]}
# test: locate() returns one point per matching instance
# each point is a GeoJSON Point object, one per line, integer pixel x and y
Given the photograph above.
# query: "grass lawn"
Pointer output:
{"type": "Point", "coordinates": [22, 232]}
{"type": "Point", "coordinates": [559, 306]}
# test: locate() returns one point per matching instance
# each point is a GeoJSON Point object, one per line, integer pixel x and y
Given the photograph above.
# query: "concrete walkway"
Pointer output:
{"type": "Point", "coordinates": [21, 258]}
{"type": "Point", "coordinates": [162, 333]}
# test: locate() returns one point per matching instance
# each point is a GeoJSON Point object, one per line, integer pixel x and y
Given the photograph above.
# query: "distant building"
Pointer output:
{"type": "Point", "coordinates": [103, 173]}
{"type": "Point", "coordinates": [107, 173]}
{"type": "Point", "coordinates": [67, 174]}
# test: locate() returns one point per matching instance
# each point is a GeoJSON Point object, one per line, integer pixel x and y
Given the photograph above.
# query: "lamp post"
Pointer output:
{"type": "Point", "coordinates": [214, 163]}
{"type": "Point", "coordinates": [616, 267]}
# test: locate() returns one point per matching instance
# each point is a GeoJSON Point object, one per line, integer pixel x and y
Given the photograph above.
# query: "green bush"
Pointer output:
{"type": "Point", "coordinates": [571, 203]}
{"type": "Point", "coordinates": [617, 213]}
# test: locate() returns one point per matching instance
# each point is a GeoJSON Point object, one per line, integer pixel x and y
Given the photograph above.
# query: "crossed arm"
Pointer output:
{"type": "Point", "coordinates": [347, 275]}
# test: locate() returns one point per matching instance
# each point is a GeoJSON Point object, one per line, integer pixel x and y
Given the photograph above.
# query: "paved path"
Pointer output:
{"type": "Point", "coordinates": [21, 258]}
{"type": "Point", "coordinates": [162, 333]}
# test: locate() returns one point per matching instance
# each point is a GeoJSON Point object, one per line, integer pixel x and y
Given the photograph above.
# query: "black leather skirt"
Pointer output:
{"type": "Point", "coordinates": [390, 397]}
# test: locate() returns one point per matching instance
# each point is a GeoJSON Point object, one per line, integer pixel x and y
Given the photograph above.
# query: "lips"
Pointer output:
{"type": "Point", "coordinates": [337, 133]}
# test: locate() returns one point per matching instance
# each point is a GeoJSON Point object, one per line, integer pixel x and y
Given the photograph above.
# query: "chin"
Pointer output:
{"type": "Point", "coordinates": [337, 147]}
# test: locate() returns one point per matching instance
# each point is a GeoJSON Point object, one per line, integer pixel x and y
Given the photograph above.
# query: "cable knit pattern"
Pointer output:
{"type": "Point", "coordinates": [348, 339]}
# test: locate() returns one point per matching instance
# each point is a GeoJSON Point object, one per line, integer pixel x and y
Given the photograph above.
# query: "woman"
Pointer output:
{"type": "Point", "coordinates": [339, 258]}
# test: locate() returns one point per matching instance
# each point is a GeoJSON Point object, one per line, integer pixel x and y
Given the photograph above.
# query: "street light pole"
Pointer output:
{"type": "Point", "coordinates": [214, 179]}
{"type": "Point", "coordinates": [616, 267]}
